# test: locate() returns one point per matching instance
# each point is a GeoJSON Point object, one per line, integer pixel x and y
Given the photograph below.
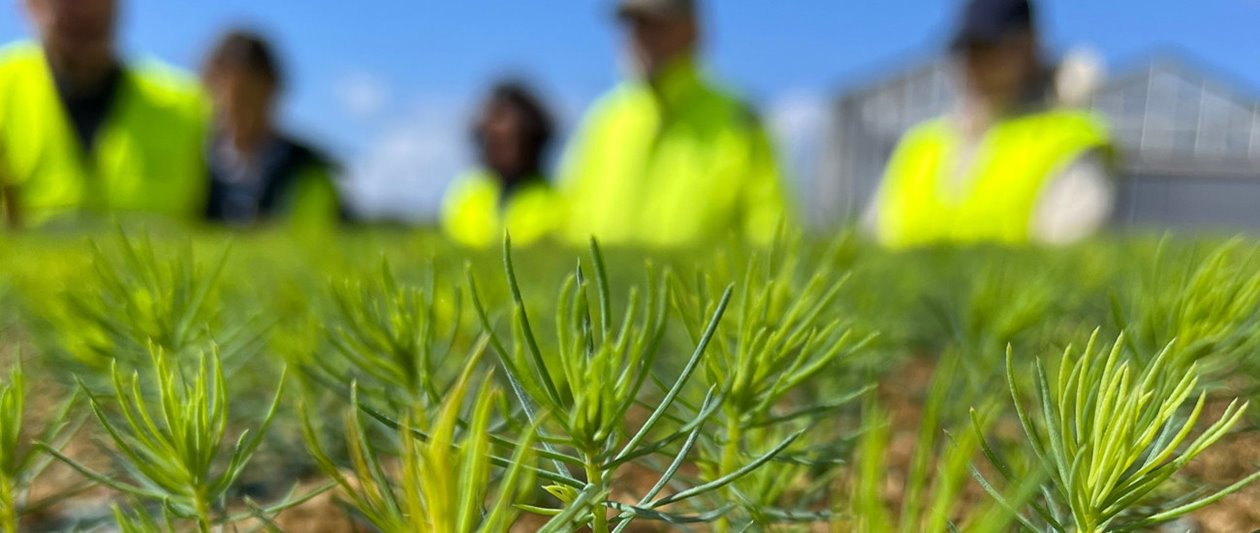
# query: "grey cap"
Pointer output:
{"type": "Point", "coordinates": [667, 8]}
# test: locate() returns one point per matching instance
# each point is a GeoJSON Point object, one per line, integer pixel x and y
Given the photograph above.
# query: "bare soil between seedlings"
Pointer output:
{"type": "Point", "coordinates": [902, 393]}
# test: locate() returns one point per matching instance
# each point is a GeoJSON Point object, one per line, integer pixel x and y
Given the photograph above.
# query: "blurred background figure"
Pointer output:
{"type": "Point", "coordinates": [668, 158]}
{"type": "Point", "coordinates": [85, 132]}
{"type": "Point", "coordinates": [1011, 164]}
{"type": "Point", "coordinates": [509, 190]}
{"type": "Point", "coordinates": [259, 174]}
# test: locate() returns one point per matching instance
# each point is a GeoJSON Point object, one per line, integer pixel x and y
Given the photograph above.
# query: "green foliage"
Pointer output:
{"type": "Point", "coordinates": [20, 461]}
{"type": "Point", "coordinates": [1108, 435]}
{"type": "Point", "coordinates": [140, 522]}
{"type": "Point", "coordinates": [600, 371]}
{"type": "Point", "coordinates": [596, 372]}
{"type": "Point", "coordinates": [783, 335]}
{"type": "Point", "coordinates": [171, 446]}
{"type": "Point", "coordinates": [444, 483]}
{"type": "Point", "coordinates": [136, 298]}
{"type": "Point", "coordinates": [386, 336]}
{"type": "Point", "coordinates": [1208, 309]}
{"type": "Point", "coordinates": [714, 392]}
{"type": "Point", "coordinates": [936, 476]}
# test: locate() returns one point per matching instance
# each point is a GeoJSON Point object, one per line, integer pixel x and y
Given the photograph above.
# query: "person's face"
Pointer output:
{"type": "Point", "coordinates": [503, 139]}
{"type": "Point", "coordinates": [656, 40]}
{"type": "Point", "coordinates": [243, 101]}
{"type": "Point", "coordinates": [999, 73]}
{"type": "Point", "coordinates": [79, 33]}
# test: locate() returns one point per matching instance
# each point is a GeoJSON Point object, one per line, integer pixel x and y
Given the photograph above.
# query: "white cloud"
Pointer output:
{"type": "Point", "coordinates": [363, 95]}
{"type": "Point", "coordinates": [402, 172]}
{"type": "Point", "coordinates": [798, 121]}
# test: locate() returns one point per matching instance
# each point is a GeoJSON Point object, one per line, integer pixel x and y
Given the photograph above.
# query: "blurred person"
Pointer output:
{"type": "Point", "coordinates": [668, 158]}
{"type": "Point", "coordinates": [258, 173]}
{"type": "Point", "coordinates": [85, 133]}
{"type": "Point", "coordinates": [508, 191]}
{"type": "Point", "coordinates": [1009, 165]}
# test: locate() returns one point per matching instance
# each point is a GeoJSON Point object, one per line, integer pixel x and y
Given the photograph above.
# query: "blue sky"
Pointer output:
{"type": "Point", "coordinates": [388, 85]}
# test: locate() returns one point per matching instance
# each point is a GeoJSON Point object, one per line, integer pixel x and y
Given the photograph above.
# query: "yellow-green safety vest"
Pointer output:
{"type": "Point", "coordinates": [148, 154]}
{"type": "Point", "coordinates": [1015, 161]}
{"type": "Point", "coordinates": [315, 202]}
{"type": "Point", "coordinates": [475, 214]}
{"type": "Point", "coordinates": [671, 166]}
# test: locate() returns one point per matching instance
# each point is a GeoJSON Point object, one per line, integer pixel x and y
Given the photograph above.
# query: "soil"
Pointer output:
{"type": "Point", "coordinates": [1231, 459]}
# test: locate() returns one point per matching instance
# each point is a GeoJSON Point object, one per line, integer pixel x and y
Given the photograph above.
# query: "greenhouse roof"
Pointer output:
{"type": "Point", "coordinates": [1169, 115]}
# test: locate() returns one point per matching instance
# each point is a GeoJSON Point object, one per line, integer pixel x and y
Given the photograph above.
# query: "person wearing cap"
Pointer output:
{"type": "Point", "coordinates": [508, 191]}
{"type": "Point", "coordinates": [86, 134]}
{"type": "Point", "coordinates": [259, 174]}
{"type": "Point", "coordinates": [1009, 165]}
{"type": "Point", "coordinates": [669, 158]}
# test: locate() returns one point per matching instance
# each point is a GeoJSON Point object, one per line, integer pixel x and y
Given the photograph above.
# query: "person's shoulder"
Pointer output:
{"type": "Point", "coordinates": [722, 101]}
{"type": "Point", "coordinates": [537, 193]}
{"type": "Point", "coordinates": [18, 58]}
{"type": "Point", "coordinates": [1070, 122]}
{"type": "Point", "coordinates": [475, 189]}
{"type": "Point", "coordinates": [19, 52]}
{"type": "Point", "coordinates": [537, 185]}
{"type": "Point", "coordinates": [720, 92]}
{"type": "Point", "coordinates": [735, 105]}
{"type": "Point", "coordinates": [746, 114]}
{"type": "Point", "coordinates": [932, 128]}
{"type": "Point", "coordinates": [166, 84]}
{"type": "Point", "coordinates": [310, 154]}
{"type": "Point", "coordinates": [625, 97]}
{"type": "Point", "coordinates": [1065, 114]}
{"type": "Point", "coordinates": [1083, 118]}
{"type": "Point", "coordinates": [470, 183]}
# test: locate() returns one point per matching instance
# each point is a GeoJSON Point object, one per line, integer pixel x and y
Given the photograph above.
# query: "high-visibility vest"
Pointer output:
{"type": "Point", "coordinates": [998, 195]}
{"type": "Point", "coordinates": [671, 165]}
{"type": "Point", "coordinates": [147, 156]}
{"type": "Point", "coordinates": [314, 204]}
{"type": "Point", "coordinates": [475, 213]}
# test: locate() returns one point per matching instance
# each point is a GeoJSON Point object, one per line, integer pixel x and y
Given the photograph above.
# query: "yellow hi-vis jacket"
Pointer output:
{"type": "Point", "coordinates": [670, 166]}
{"type": "Point", "coordinates": [475, 213]}
{"type": "Point", "coordinates": [1015, 161]}
{"type": "Point", "coordinates": [148, 155]}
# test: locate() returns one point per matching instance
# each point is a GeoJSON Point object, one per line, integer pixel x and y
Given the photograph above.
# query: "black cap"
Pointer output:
{"type": "Point", "coordinates": [660, 8]}
{"type": "Point", "coordinates": [990, 21]}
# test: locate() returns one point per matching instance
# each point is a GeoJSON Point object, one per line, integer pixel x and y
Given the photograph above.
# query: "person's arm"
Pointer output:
{"type": "Point", "coordinates": [764, 201]}
{"type": "Point", "coordinates": [316, 204]}
{"type": "Point", "coordinates": [1076, 204]}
